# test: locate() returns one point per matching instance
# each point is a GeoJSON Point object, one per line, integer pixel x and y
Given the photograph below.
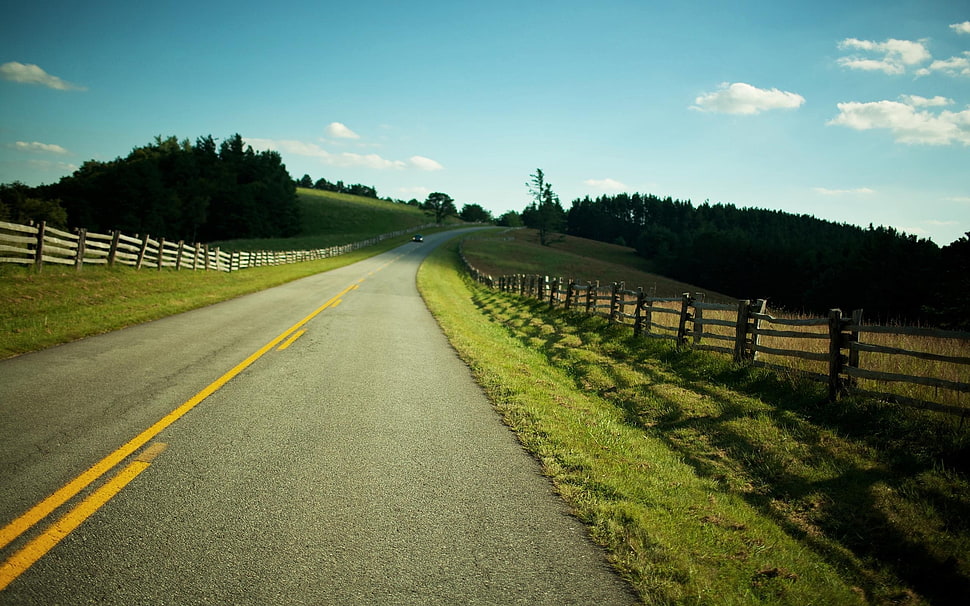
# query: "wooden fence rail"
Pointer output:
{"type": "Point", "coordinates": [36, 245]}
{"type": "Point", "coordinates": [829, 349]}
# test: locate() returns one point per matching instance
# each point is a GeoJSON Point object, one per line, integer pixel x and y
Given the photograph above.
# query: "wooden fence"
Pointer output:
{"type": "Point", "coordinates": [36, 245]}
{"type": "Point", "coordinates": [830, 349]}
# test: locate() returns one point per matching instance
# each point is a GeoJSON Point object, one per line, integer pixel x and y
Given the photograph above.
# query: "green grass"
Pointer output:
{"type": "Point", "coordinates": [714, 484]}
{"type": "Point", "coordinates": [331, 218]}
{"type": "Point", "coordinates": [60, 305]}
{"type": "Point", "coordinates": [519, 252]}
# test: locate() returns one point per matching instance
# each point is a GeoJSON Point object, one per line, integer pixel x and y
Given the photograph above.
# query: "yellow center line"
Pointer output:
{"type": "Point", "coordinates": [35, 550]}
{"type": "Point", "coordinates": [296, 336]}
{"type": "Point", "coordinates": [41, 510]}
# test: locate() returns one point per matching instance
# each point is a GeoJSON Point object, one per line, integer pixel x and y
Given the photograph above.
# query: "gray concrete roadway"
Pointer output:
{"type": "Point", "coordinates": [360, 465]}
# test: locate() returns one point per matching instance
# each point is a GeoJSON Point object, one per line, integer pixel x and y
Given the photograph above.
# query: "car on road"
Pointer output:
{"type": "Point", "coordinates": [417, 238]}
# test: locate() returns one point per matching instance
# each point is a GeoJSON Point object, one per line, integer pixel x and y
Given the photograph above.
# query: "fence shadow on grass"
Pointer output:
{"type": "Point", "coordinates": [810, 468]}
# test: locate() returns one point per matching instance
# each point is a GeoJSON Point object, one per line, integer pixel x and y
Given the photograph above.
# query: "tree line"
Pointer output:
{"type": "Point", "coordinates": [797, 262]}
{"type": "Point", "coordinates": [171, 189]}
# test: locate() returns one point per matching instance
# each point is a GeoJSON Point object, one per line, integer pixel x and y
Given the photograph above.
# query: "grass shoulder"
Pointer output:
{"type": "Point", "coordinates": [38, 310]}
{"type": "Point", "coordinates": [710, 483]}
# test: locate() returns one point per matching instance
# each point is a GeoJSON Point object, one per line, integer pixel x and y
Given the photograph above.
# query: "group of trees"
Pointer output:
{"type": "Point", "coordinates": [798, 262]}
{"type": "Point", "coordinates": [356, 189]}
{"type": "Point", "coordinates": [178, 191]}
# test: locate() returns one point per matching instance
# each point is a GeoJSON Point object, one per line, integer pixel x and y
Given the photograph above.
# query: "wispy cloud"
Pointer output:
{"type": "Point", "coordinates": [961, 28]}
{"type": "Point", "coordinates": [340, 131]}
{"type": "Point", "coordinates": [891, 57]}
{"type": "Point", "coordinates": [742, 98]}
{"type": "Point", "coordinates": [422, 163]}
{"type": "Point", "coordinates": [842, 192]}
{"type": "Point", "coordinates": [917, 101]}
{"type": "Point", "coordinates": [954, 66]}
{"type": "Point", "coordinates": [345, 159]}
{"type": "Point", "coordinates": [35, 146]}
{"type": "Point", "coordinates": [960, 199]}
{"type": "Point", "coordinates": [606, 184]}
{"type": "Point", "coordinates": [906, 122]}
{"type": "Point", "coordinates": [28, 73]}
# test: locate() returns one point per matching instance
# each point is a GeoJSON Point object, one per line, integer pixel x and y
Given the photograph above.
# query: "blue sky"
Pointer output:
{"type": "Point", "coordinates": [855, 112]}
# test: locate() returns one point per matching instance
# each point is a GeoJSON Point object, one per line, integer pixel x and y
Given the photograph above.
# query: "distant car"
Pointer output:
{"type": "Point", "coordinates": [417, 238]}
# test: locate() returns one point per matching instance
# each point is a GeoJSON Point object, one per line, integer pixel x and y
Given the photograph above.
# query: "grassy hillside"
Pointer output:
{"type": "Point", "coordinates": [711, 483]}
{"type": "Point", "coordinates": [331, 218]}
{"type": "Point", "coordinates": [519, 252]}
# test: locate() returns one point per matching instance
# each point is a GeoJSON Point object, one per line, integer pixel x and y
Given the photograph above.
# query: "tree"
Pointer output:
{"type": "Point", "coordinates": [510, 219]}
{"type": "Point", "coordinates": [305, 181]}
{"type": "Point", "coordinates": [21, 204]}
{"type": "Point", "coordinates": [545, 213]}
{"type": "Point", "coordinates": [474, 213]}
{"type": "Point", "coordinates": [441, 205]}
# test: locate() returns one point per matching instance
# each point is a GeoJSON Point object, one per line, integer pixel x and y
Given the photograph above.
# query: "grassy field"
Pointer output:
{"type": "Point", "coordinates": [331, 218]}
{"type": "Point", "coordinates": [519, 252]}
{"type": "Point", "coordinates": [60, 305]}
{"type": "Point", "coordinates": [714, 484]}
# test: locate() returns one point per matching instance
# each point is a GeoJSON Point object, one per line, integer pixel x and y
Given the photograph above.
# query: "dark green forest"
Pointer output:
{"type": "Point", "coordinates": [175, 190]}
{"type": "Point", "coordinates": [797, 262]}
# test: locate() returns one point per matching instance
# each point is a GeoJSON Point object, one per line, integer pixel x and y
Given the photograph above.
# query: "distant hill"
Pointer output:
{"type": "Point", "coordinates": [331, 218]}
{"type": "Point", "coordinates": [519, 252]}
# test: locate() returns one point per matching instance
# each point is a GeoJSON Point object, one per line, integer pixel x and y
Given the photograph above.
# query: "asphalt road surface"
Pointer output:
{"type": "Point", "coordinates": [223, 456]}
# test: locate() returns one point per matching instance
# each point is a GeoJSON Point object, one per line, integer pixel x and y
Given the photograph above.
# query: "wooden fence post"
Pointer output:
{"type": "Point", "coordinates": [684, 318]}
{"type": "Point", "coordinates": [39, 252]}
{"type": "Point", "coordinates": [113, 250]}
{"type": "Point", "coordinates": [835, 354]}
{"type": "Point", "coordinates": [141, 252]}
{"type": "Point", "coordinates": [741, 330]}
{"type": "Point", "coordinates": [82, 235]}
{"type": "Point", "coordinates": [760, 306]}
{"type": "Point", "coordinates": [698, 330]}
{"type": "Point", "coordinates": [591, 293]}
{"type": "Point", "coordinates": [178, 255]}
{"type": "Point", "coordinates": [570, 292]}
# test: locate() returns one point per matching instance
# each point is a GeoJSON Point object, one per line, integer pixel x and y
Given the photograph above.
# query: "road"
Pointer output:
{"type": "Point", "coordinates": [222, 456]}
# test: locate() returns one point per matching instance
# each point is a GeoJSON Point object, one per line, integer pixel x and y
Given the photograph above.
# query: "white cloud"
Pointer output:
{"type": "Point", "coordinates": [841, 192]}
{"type": "Point", "coordinates": [954, 66]}
{"type": "Point", "coordinates": [34, 146]}
{"type": "Point", "coordinates": [338, 130]}
{"type": "Point", "coordinates": [312, 150]}
{"type": "Point", "coordinates": [960, 199]}
{"type": "Point", "coordinates": [741, 98]}
{"type": "Point", "coordinates": [906, 122]}
{"type": "Point", "coordinates": [423, 163]}
{"type": "Point", "coordinates": [606, 184]}
{"type": "Point", "coordinates": [27, 73]}
{"type": "Point", "coordinates": [892, 56]}
{"type": "Point", "coordinates": [961, 28]}
{"type": "Point", "coordinates": [917, 101]}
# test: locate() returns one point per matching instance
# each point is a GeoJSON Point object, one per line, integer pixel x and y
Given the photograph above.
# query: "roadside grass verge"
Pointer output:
{"type": "Point", "coordinates": [714, 484]}
{"type": "Point", "coordinates": [60, 305]}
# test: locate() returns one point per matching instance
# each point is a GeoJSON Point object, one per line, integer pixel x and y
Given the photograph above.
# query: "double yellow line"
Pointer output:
{"type": "Point", "coordinates": [24, 558]}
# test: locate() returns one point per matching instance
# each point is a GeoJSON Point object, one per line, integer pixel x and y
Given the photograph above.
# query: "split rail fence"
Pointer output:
{"type": "Point", "coordinates": [39, 244]}
{"type": "Point", "coordinates": [851, 357]}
